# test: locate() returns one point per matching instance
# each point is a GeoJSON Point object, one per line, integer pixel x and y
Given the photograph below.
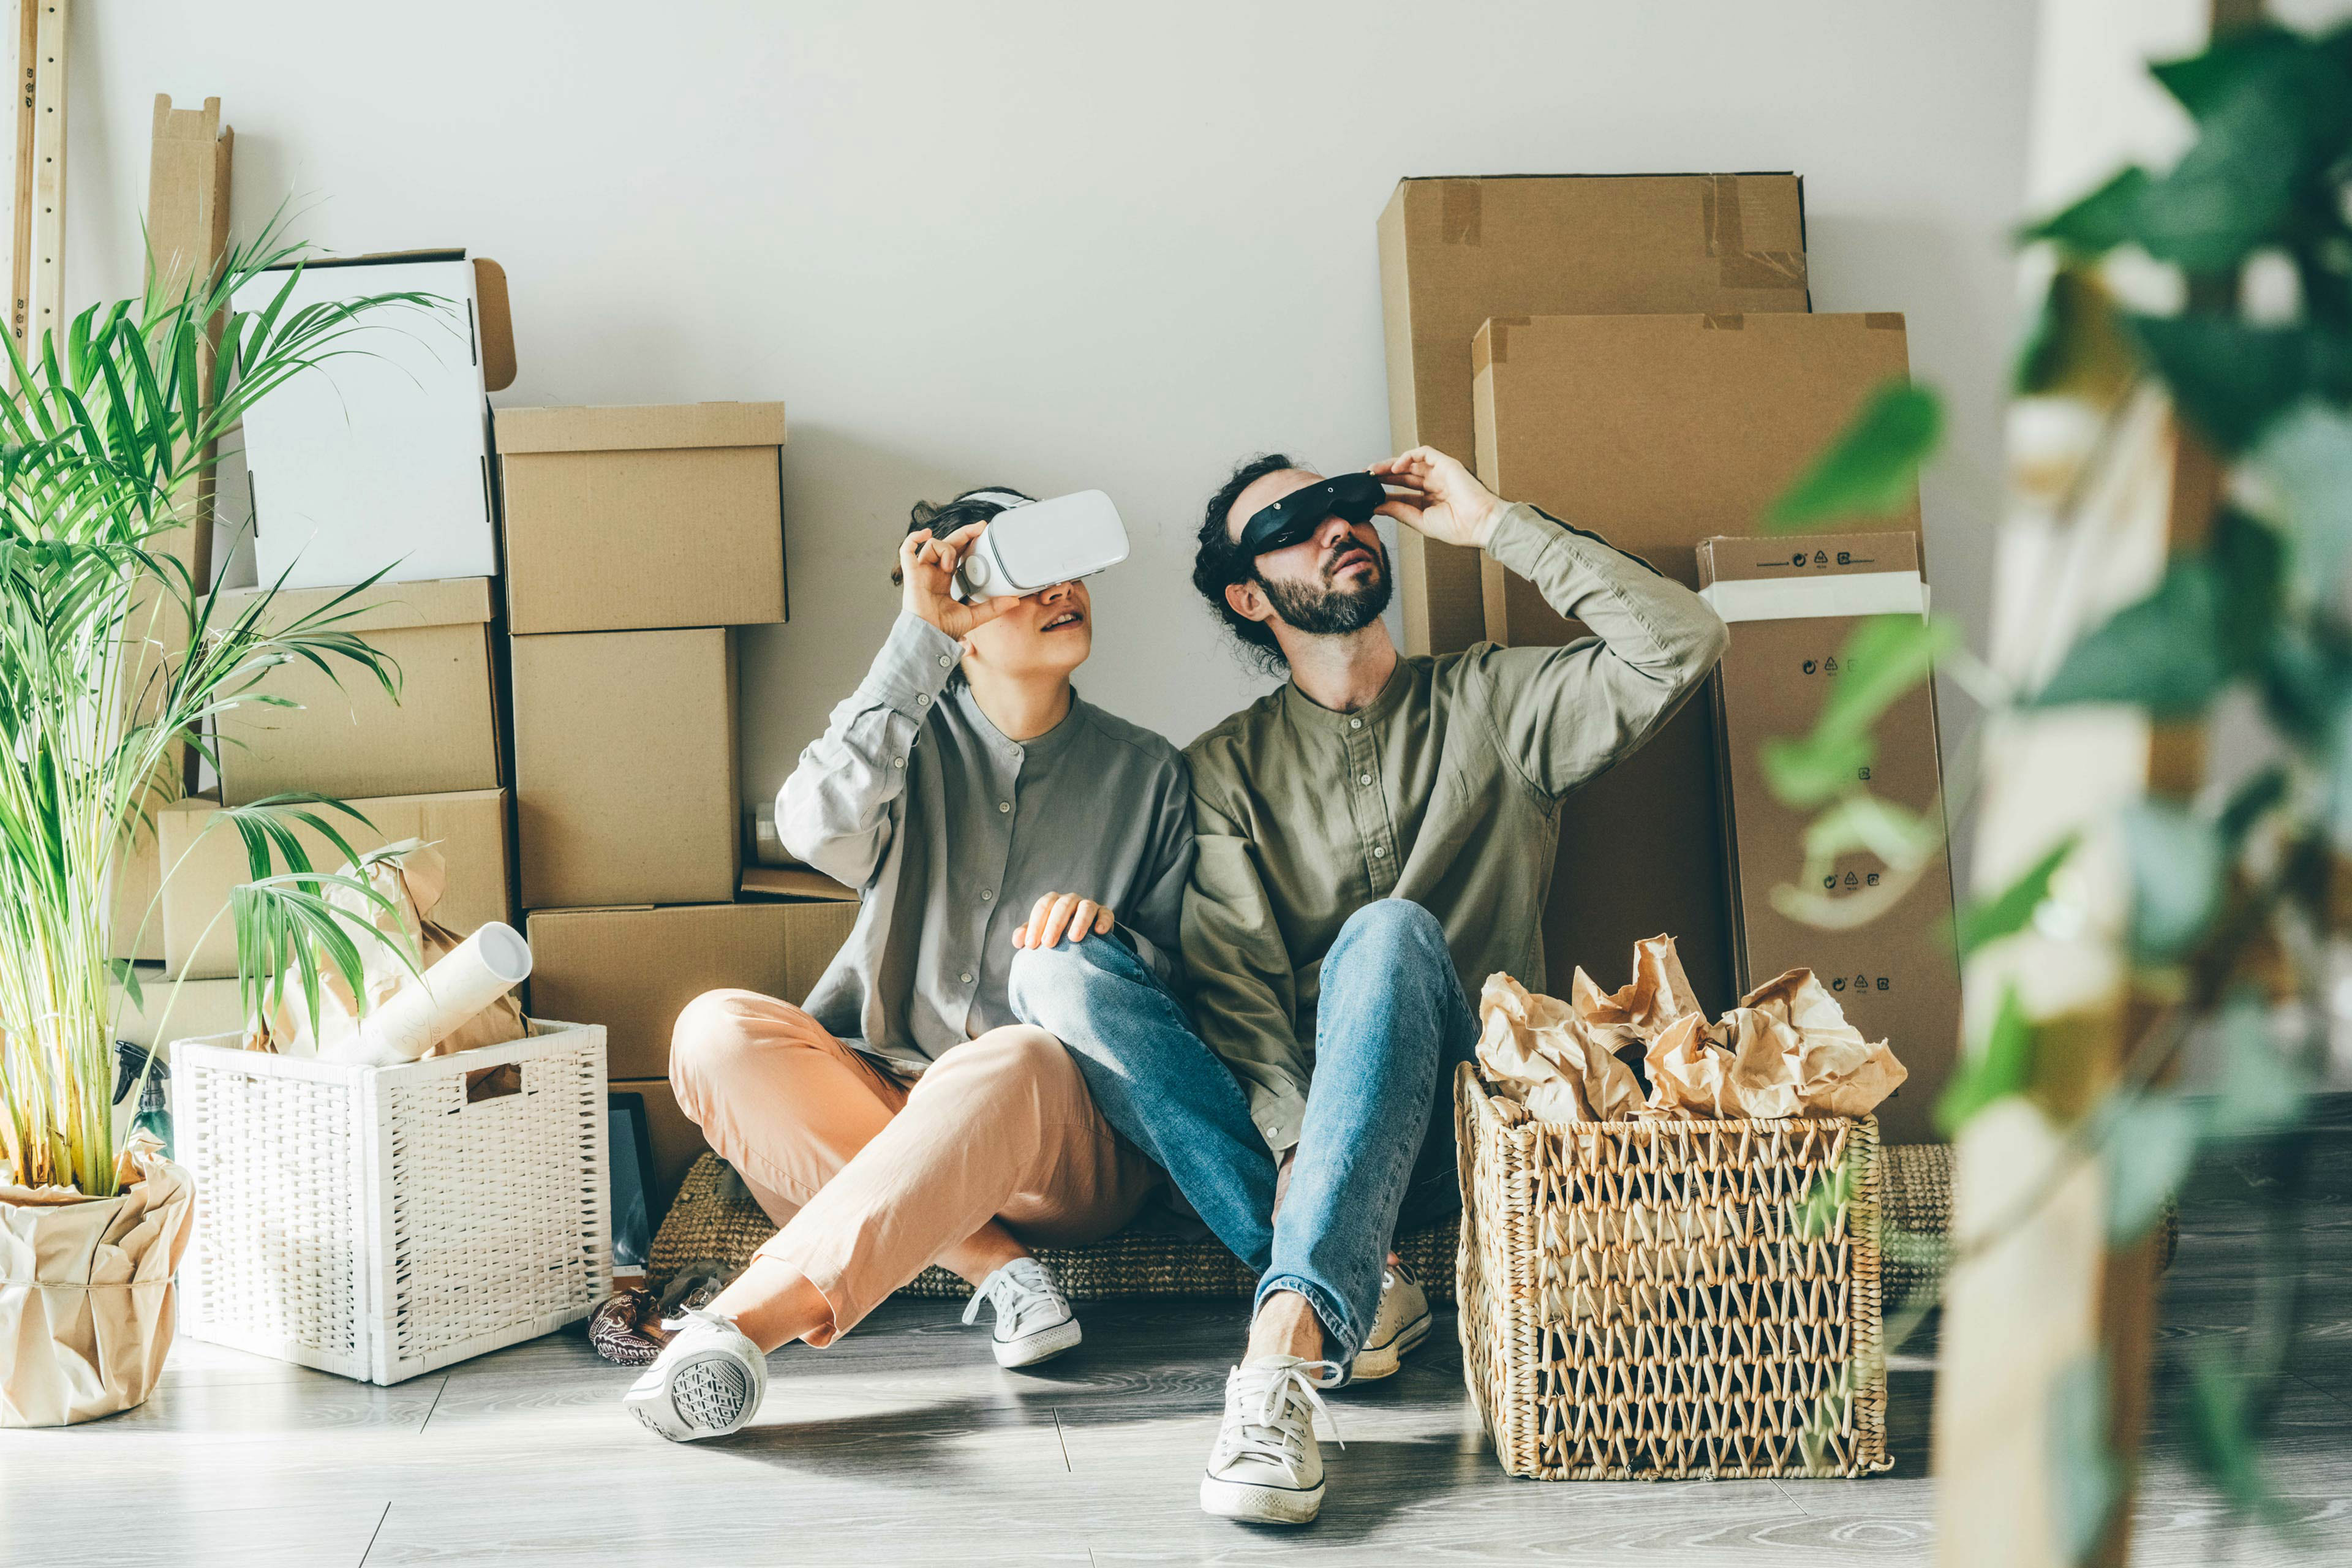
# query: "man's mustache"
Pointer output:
{"type": "Point", "coordinates": [1340, 553]}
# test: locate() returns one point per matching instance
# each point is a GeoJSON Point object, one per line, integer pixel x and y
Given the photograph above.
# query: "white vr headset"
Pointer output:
{"type": "Point", "coordinates": [1035, 544]}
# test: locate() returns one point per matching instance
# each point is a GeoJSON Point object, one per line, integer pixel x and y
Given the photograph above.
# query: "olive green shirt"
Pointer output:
{"type": "Point", "coordinates": [1444, 789]}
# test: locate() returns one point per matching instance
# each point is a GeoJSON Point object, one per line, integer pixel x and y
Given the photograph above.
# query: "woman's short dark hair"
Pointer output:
{"type": "Point", "coordinates": [939, 521]}
{"type": "Point", "coordinates": [1219, 563]}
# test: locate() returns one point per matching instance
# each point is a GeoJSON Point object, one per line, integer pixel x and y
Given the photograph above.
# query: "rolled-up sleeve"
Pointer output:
{"type": "Point", "coordinates": [837, 810]}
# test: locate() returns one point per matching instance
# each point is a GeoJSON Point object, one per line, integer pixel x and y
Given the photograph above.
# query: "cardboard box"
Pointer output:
{"type": "Point", "coordinates": [625, 768]}
{"type": "Point", "coordinates": [794, 882]}
{"type": "Point", "coordinates": [469, 828]}
{"type": "Point", "coordinates": [349, 739]}
{"type": "Point", "coordinates": [626, 518]}
{"type": "Point", "coordinates": [176, 1010]}
{"type": "Point", "coordinates": [635, 970]}
{"type": "Point", "coordinates": [1657, 432]}
{"type": "Point", "coordinates": [677, 1142]}
{"type": "Point", "coordinates": [1791, 603]}
{"type": "Point", "coordinates": [378, 457]}
{"type": "Point", "coordinates": [1455, 252]}
{"type": "Point", "coordinates": [135, 928]}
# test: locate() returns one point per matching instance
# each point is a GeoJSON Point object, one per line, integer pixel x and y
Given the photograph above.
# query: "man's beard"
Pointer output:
{"type": "Point", "coordinates": [1324, 609]}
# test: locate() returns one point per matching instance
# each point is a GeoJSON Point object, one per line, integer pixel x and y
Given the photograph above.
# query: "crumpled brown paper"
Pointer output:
{"type": "Point", "coordinates": [86, 1293]}
{"type": "Point", "coordinates": [413, 878]}
{"type": "Point", "coordinates": [1541, 1052]}
{"type": "Point", "coordinates": [1786, 1050]}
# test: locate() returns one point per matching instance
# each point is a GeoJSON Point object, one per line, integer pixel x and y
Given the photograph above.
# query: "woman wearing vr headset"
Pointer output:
{"type": "Point", "coordinates": [907, 1114]}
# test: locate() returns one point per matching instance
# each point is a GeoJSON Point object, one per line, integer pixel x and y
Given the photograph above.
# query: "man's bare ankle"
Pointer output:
{"type": "Point", "coordinates": [1286, 1325]}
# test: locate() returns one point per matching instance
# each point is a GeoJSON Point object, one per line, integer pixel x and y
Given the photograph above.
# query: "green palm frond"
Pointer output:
{"type": "Point", "coordinates": [113, 658]}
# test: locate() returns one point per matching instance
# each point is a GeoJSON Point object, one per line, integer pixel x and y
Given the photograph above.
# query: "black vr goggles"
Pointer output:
{"type": "Point", "coordinates": [1295, 517]}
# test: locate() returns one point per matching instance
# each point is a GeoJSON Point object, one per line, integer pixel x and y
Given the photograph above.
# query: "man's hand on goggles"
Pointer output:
{"type": "Point", "coordinates": [1435, 495]}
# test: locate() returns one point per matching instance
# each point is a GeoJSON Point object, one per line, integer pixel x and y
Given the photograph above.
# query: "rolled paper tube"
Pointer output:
{"type": "Point", "coordinates": [468, 978]}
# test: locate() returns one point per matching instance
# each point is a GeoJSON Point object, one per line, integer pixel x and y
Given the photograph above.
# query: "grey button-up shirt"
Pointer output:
{"type": "Point", "coordinates": [950, 831]}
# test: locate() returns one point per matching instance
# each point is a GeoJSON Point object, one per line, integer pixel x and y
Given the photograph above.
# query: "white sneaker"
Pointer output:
{"type": "Point", "coordinates": [1265, 1467]}
{"type": "Point", "coordinates": [1400, 1323]}
{"type": "Point", "coordinates": [1034, 1321]}
{"type": "Point", "coordinates": [707, 1382]}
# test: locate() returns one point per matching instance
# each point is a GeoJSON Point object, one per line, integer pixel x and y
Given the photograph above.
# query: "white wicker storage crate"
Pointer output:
{"type": "Point", "coordinates": [383, 1222]}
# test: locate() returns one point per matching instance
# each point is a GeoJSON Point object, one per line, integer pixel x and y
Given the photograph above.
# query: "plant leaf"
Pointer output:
{"type": "Point", "coordinates": [2177, 862]}
{"type": "Point", "coordinates": [2086, 1479]}
{"type": "Point", "coordinates": [1881, 659]}
{"type": "Point", "coordinates": [2304, 465]}
{"type": "Point", "coordinates": [2148, 1143]}
{"type": "Point", "coordinates": [2160, 654]}
{"type": "Point", "coordinates": [1872, 468]}
{"type": "Point", "coordinates": [2231, 379]}
{"type": "Point", "coordinates": [2096, 223]}
{"type": "Point", "coordinates": [2261, 1092]}
{"type": "Point", "coordinates": [2008, 911]}
{"type": "Point", "coordinates": [2002, 1067]}
{"type": "Point", "coordinates": [2077, 346]}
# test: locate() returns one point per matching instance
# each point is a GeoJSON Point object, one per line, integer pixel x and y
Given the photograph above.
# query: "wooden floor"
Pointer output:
{"type": "Point", "coordinates": [905, 1444]}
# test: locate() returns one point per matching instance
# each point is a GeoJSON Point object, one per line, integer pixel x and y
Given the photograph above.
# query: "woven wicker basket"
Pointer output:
{"type": "Point", "coordinates": [383, 1222]}
{"type": "Point", "coordinates": [1644, 1300]}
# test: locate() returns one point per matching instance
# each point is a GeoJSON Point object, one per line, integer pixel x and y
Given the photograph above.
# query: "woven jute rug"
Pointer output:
{"type": "Point", "coordinates": [715, 1226]}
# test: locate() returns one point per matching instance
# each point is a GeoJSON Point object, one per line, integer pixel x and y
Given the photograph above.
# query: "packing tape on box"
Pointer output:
{"type": "Point", "coordinates": [1806, 598]}
{"type": "Point", "coordinates": [1736, 267]}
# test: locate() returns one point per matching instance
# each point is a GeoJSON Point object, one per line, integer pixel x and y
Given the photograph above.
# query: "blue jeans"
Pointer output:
{"type": "Point", "coordinates": [1377, 1135]}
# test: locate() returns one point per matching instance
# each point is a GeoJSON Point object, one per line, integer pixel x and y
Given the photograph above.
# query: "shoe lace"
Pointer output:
{"type": "Point", "coordinates": [1019, 1291]}
{"type": "Point", "coordinates": [1273, 1408]}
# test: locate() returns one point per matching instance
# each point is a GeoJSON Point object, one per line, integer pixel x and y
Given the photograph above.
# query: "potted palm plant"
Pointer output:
{"type": "Point", "coordinates": [112, 658]}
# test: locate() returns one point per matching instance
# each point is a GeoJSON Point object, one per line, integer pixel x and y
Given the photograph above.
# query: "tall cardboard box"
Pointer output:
{"type": "Point", "coordinates": [1657, 432]}
{"type": "Point", "coordinates": [627, 519]}
{"type": "Point", "coordinates": [1455, 252]}
{"type": "Point", "coordinates": [635, 970]}
{"type": "Point", "coordinates": [350, 738]}
{"type": "Point", "coordinates": [1791, 603]}
{"type": "Point", "coordinates": [208, 861]}
{"type": "Point", "coordinates": [625, 768]}
{"type": "Point", "coordinates": [378, 460]}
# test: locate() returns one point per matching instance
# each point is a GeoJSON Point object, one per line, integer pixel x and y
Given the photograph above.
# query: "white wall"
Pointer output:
{"type": "Point", "coordinates": [1055, 245]}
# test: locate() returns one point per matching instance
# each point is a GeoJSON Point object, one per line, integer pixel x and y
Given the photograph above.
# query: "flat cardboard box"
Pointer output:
{"type": "Point", "coordinates": [625, 768]}
{"type": "Point", "coordinates": [1657, 432]}
{"type": "Point", "coordinates": [635, 970]}
{"type": "Point", "coordinates": [350, 740]}
{"type": "Point", "coordinates": [791, 882]}
{"type": "Point", "coordinates": [469, 828]}
{"type": "Point", "coordinates": [378, 459]}
{"type": "Point", "coordinates": [1455, 252]}
{"type": "Point", "coordinates": [677, 1141]}
{"type": "Point", "coordinates": [1791, 603]}
{"type": "Point", "coordinates": [627, 519]}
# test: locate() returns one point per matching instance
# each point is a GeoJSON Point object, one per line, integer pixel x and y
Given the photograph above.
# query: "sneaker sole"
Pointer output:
{"type": "Point", "coordinates": [1260, 1505]}
{"type": "Point", "coordinates": [1042, 1345]}
{"type": "Point", "coordinates": [1372, 1365]}
{"type": "Point", "coordinates": [709, 1397]}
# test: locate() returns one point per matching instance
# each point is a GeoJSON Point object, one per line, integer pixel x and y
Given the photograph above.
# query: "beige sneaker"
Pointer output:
{"type": "Point", "coordinates": [1266, 1468]}
{"type": "Point", "coordinates": [1400, 1323]}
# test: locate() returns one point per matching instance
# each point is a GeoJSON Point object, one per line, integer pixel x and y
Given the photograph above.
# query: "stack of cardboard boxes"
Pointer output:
{"type": "Point", "coordinates": [635, 539]}
{"type": "Point", "coordinates": [1636, 355]}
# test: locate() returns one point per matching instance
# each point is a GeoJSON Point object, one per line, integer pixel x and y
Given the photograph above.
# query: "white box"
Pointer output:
{"type": "Point", "coordinates": [382, 1222]}
{"type": "Point", "coordinates": [380, 457]}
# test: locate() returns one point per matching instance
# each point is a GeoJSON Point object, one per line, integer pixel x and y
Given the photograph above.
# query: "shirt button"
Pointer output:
{"type": "Point", "coordinates": [1354, 724]}
{"type": "Point", "coordinates": [898, 762]}
{"type": "Point", "coordinates": [1005, 805]}
{"type": "Point", "coordinates": [922, 699]}
{"type": "Point", "coordinates": [985, 894]}
{"type": "Point", "coordinates": [1378, 850]}
{"type": "Point", "coordinates": [967, 977]}
{"type": "Point", "coordinates": [946, 659]}
{"type": "Point", "coordinates": [1367, 778]}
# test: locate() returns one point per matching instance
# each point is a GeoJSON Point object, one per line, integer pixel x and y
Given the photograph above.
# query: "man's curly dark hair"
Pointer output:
{"type": "Point", "coordinates": [1218, 562]}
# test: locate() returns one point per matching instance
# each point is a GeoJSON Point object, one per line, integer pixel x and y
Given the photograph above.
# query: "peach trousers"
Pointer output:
{"type": "Point", "coordinates": [872, 1178]}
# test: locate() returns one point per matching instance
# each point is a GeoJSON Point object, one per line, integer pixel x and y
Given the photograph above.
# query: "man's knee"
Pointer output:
{"type": "Point", "coordinates": [1045, 981]}
{"type": "Point", "coordinates": [1391, 931]}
